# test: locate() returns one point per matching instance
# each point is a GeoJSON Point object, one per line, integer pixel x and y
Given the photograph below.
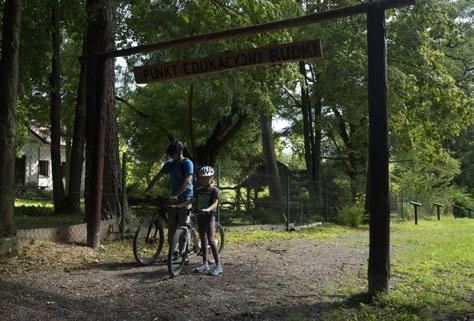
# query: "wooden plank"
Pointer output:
{"type": "Point", "coordinates": [317, 17]}
{"type": "Point", "coordinates": [274, 54]}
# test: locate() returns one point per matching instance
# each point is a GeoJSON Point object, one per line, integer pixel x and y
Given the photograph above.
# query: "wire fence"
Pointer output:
{"type": "Point", "coordinates": [259, 198]}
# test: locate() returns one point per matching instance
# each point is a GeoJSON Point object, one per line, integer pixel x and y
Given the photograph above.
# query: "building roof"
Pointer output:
{"type": "Point", "coordinates": [44, 133]}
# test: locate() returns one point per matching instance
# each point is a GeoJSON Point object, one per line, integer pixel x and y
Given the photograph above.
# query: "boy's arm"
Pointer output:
{"type": "Point", "coordinates": [215, 200]}
{"type": "Point", "coordinates": [210, 208]}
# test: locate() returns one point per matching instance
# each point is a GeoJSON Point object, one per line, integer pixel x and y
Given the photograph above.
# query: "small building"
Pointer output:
{"type": "Point", "coordinates": [33, 169]}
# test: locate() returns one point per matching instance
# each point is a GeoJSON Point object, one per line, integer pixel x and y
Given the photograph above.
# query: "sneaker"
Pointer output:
{"type": "Point", "coordinates": [215, 270]}
{"type": "Point", "coordinates": [201, 268]}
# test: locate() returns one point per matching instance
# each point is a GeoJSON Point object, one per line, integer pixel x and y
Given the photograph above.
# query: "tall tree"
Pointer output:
{"type": "Point", "coordinates": [9, 73]}
{"type": "Point", "coordinates": [100, 38]}
{"type": "Point", "coordinates": [271, 165]}
{"type": "Point", "coordinates": [312, 133]}
{"type": "Point", "coordinates": [55, 115]}
{"type": "Point", "coordinates": [71, 204]}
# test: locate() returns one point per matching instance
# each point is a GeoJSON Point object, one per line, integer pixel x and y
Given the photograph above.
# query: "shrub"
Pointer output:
{"type": "Point", "coordinates": [34, 210]}
{"type": "Point", "coordinates": [29, 196]}
{"type": "Point", "coordinates": [349, 216]}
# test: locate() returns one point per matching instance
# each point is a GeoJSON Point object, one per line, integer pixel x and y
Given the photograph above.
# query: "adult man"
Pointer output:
{"type": "Point", "coordinates": [181, 171]}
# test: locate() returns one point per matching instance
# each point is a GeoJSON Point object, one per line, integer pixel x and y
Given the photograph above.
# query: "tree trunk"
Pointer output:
{"type": "Point", "coordinates": [55, 115]}
{"type": "Point", "coordinates": [312, 138]}
{"type": "Point", "coordinates": [223, 132]}
{"type": "Point", "coordinates": [271, 166]}
{"type": "Point", "coordinates": [111, 200]}
{"type": "Point", "coordinates": [71, 204]}
{"type": "Point", "coordinates": [65, 168]}
{"type": "Point", "coordinates": [101, 37]}
{"type": "Point", "coordinates": [9, 70]}
{"type": "Point", "coordinates": [317, 155]}
{"type": "Point", "coordinates": [306, 124]}
{"type": "Point", "coordinates": [111, 204]}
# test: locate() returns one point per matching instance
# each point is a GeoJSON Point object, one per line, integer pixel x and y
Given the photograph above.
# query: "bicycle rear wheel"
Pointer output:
{"type": "Point", "coordinates": [148, 241]}
{"type": "Point", "coordinates": [178, 252]}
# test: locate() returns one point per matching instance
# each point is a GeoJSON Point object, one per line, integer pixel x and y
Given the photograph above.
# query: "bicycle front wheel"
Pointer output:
{"type": "Point", "coordinates": [178, 252]}
{"type": "Point", "coordinates": [219, 238]}
{"type": "Point", "coordinates": [148, 241]}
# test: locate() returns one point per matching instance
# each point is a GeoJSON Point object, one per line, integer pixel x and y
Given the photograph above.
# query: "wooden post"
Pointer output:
{"type": "Point", "coordinates": [218, 210]}
{"type": "Point", "coordinates": [238, 198]}
{"type": "Point", "coordinates": [415, 205]}
{"type": "Point", "coordinates": [379, 244]}
{"type": "Point", "coordinates": [97, 160]}
{"type": "Point", "coordinates": [124, 196]}
{"type": "Point", "coordinates": [401, 203]}
{"type": "Point", "coordinates": [438, 206]}
{"type": "Point", "coordinates": [326, 201]}
{"type": "Point", "coordinates": [247, 200]}
{"type": "Point", "coordinates": [288, 201]}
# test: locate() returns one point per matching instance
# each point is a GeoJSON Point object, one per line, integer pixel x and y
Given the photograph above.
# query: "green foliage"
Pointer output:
{"type": "Point", "coordinates": [458, 196]}
{"type": "Point", "coordinates": [430, 48]}
{"type": "Point", "coordinates": [349, 216]}
{"type": "Point", "coordinates": [33, 211]}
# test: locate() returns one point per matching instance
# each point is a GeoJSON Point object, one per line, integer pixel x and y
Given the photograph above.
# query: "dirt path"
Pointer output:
{"type": "Point", "coordinates": [265, 280]}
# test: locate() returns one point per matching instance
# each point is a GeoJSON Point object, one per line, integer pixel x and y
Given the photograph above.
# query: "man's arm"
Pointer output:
{"type": "Point", "coordinates": [153, 181]}
{"type": "Point", "coordinates": [183, 187]}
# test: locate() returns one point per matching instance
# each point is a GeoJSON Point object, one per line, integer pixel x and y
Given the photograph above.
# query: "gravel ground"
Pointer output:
{"type": "Point", "coordinates": [264, 280]}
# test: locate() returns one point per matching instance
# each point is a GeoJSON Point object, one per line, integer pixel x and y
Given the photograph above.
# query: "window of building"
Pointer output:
{"type": "Point", "coordinates": [44, 168]}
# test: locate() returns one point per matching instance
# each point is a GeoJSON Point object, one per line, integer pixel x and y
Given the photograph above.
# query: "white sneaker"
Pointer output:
{"type": "Point", "coordinates": [215, 270]}
{"type": "Point", "coordinates": [201, 268]}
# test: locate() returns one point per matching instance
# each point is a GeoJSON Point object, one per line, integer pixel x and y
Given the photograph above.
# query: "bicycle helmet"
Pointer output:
{"type": "Point", "coordinates": [206, 171]}
{"type": "Point", "coordinates": [175, 147]}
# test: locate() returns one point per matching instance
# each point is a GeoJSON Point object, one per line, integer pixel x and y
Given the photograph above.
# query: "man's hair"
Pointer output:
{"type": "Point", "coordinates": [175, 147]}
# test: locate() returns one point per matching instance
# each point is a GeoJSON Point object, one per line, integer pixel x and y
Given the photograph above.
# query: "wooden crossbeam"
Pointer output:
{"type": "Point", "coordinates": [317, 17]}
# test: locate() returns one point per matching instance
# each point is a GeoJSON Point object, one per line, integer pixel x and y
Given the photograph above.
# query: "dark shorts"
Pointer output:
{"type": "Point", "coordinates": [207, 218]}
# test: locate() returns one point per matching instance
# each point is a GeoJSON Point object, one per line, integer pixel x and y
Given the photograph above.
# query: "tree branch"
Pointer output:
{"type": "Point", "coordinates": [136, 110]}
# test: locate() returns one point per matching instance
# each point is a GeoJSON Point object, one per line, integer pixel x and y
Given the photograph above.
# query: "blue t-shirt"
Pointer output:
{"type": "Point", "coordinates": [179, 170]}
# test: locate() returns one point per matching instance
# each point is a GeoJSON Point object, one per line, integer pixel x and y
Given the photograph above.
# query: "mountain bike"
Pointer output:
{"type": "Point", "coordinates": [186, 243]}
{"type": "Point", "coordinates": [149, 237]}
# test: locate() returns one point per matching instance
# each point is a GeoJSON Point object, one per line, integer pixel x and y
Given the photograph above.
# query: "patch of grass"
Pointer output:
{"type": "Point", "coordinates": [432, 275]}
{"type": "Point", "coordinates": [35, 213]}
{"type": "Point", "coordinates": [316, 233]}
{"type": "Point", "coordinates": [33, 202]}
